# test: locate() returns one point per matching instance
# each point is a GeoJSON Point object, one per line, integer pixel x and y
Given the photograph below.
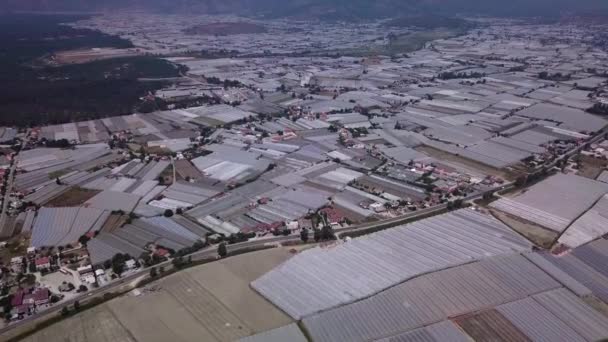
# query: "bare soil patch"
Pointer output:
{"type": "Point", "coordinates": [74, 197]}
{"type": "Point", "coordinates": [472, 167]}
{"type": "Point", "coordinates": [538, 235]}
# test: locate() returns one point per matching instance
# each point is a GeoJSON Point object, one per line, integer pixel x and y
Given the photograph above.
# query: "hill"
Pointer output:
{"type": "Point", "coordinates": [322, 9]}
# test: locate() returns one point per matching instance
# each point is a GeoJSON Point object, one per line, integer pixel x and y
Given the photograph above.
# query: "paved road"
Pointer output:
{"type": "Point", "coordinates": [211, 252]}
{"type": "Point", "coordinates": [9, 190]}
{"type": "Point", "coordinates": [116, 285]}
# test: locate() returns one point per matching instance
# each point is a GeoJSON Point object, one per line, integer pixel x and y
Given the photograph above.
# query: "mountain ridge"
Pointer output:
{"type": "Point", "coordinates": [322, 9]}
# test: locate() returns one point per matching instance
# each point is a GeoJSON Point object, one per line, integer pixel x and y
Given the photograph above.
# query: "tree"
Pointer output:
{"type": "Point", "coordinates": [29, 279]}
{"type": "Point", "coordinates": [458, 203]}
{"type": "Point", "coordinates": [179, 211]}
{"type": "Point", "coordinates": [82, 288]}
{"type": "Point", "coordinates": [32, 267]}
{"type": "Point", "coordinates": [76, 305]}
{"type": "Point", "coordinates": [83, 240]}
{"type": "Point", "coordinates": [521, 181]}
{"type": "Point", "coordinates": [222, 250]}
{"type": "Point", "coordinates": [65, 311]}
{"type": "Point", "coordinates": [118, 263]}
{"type": "Point", "coordinates": [327, 233]}
{"type": "Point", "coordinates": [304, 235]}
{"type": "Point", "coordinates": [317, 235]}
{"type": "Point", "coordinates": [178, 262]}
{"type": "Point", "coordinates": [153, 272]}
{"type": "Point", "coordinates": [168, 213]}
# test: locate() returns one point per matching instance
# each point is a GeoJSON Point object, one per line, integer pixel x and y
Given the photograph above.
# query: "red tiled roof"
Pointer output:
{"type": "Point", "coordinates": [333, 215]}
{"type": "Point", "coordinates": [17, 298]}
{"type": "Point", "coordinates": [41, 294]}
{"type": "Point", "coordinates": [161, 252]}
{"type": "Point", "coordinates": [263, 227]}
{"type": "Point", "coordinates": [42, 261]}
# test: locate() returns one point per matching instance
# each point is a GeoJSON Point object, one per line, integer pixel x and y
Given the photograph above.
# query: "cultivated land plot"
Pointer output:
{"type": "Point", "coordinates": [212, 302]}
{"type": "Point", "coordinates": [114, 222]}
{"type": "Point", "coordinates": [538, 235]}
{"type": "Point", "coordinates": [96, 325]}
{"type": "Point", "coordinates": [467, 165]}
{"type": "Point", "coordinates": [591, 167]}
{"type": "Point", "coordinates": [90, 55]}
{"type": "Point", "coordinates": [72, 198]}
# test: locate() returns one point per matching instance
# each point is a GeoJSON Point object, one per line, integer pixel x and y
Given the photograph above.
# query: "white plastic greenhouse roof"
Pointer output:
{"type": "Point", "coordinates": [322, 278]}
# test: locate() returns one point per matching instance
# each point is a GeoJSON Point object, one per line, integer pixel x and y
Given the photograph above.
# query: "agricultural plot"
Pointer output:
{"type": "Point", "coordinates": [61, 226]}
{"type": "Point", "coordinates": [209, 303]}
{"type": "Point", "coordinates": [73, 197]}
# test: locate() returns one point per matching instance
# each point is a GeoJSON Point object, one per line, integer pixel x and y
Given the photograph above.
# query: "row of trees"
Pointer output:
{"type": "Point", "coordinates": [544, 75]}
{"type": "Point", "coordinates": [599, 109]}
{"type": "Point", "coordinates": [324, 234]}
{"type": "Point", "coordinates": [449, 75]}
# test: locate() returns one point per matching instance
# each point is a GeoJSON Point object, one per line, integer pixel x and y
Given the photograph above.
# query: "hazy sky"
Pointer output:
{"type": "Point", "coordinates": [291, 7]}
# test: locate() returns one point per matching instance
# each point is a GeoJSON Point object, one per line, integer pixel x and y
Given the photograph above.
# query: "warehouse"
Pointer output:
{"type": "Point", "coordinates": [428, 245]}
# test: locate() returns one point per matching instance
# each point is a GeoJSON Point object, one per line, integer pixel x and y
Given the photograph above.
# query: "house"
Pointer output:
{"type": "Point", "coordinates": [43, 263]}
{"type": "Point", "coordinates": [100, 275]}
{"type": "Point", "coordinates": [334, 217]}
{"type": "Point", "coordinates": [161, 252]}
{"type": "Point", "coordinates": [16, 264]}
{"type": "Point", "coordinates": [86, 274]}
{"type": "Point", "coordinates": [88, 278]}
{"type": "Point", "coordinates": [28, 299]}
{"type": "Point", "coordinates": [130, 264]}
{"type": "Point", "coordinates": [41, 296]}
{"type": "Point", "coordinates": [17, 298]}
{"type": "Point", "coordinates": [20, 311]}
{"type": "Point", "coordinates": [84, 269]}
{"type": "Point", "coordinates": [378, 207]}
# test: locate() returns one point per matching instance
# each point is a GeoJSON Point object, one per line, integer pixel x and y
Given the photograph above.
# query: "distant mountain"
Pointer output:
{"type": "Point", "coordinates": [322, 9]}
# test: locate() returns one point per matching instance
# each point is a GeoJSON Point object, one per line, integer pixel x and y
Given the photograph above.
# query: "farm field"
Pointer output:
{"type": "Point", "coordinates": [212, 302]}
{"type": "Point", "coordinates": [74, 197]}
{"type": "Point", "coordinates": [540, 236]}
